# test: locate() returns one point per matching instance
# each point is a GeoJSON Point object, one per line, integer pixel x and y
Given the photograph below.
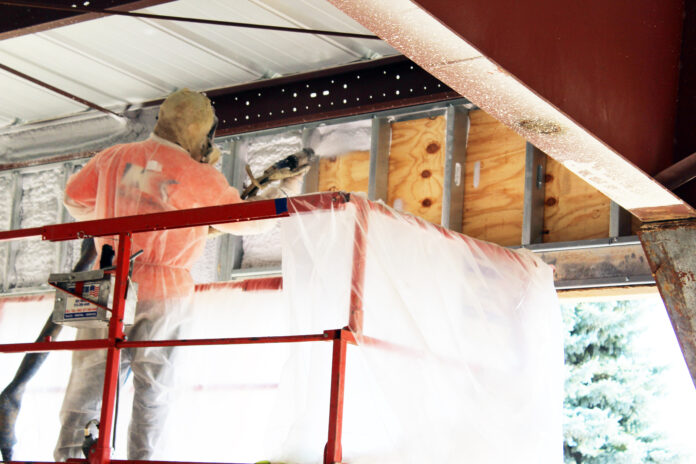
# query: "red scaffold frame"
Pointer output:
{"type": "Point", "coordinates": [124, 227]}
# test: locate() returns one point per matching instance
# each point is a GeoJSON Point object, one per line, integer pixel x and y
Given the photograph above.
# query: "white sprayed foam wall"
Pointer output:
{"type": "Point", "coordinates": [260, 152]}
{"type": "Point", "coordinates": [40, 205]}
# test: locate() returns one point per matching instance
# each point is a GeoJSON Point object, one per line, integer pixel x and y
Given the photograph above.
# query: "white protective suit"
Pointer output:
{"type": "Point", "coordinates": [162, 173]}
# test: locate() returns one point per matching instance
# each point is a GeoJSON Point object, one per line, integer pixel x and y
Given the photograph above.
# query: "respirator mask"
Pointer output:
{"type": "Point", "coordinates": [211, 153]}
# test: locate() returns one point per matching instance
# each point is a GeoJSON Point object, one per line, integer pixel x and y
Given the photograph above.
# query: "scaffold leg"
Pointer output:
{"type": "Point", "coordinates": [333, 452]}
{"type": "Point", "coordinates": [102, 452]}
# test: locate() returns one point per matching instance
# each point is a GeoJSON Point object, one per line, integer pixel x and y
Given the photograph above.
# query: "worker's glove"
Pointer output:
{"type": "Point", "coordinates": [293, 166]}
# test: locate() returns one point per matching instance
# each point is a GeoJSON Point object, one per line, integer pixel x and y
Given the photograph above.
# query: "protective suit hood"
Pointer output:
{"type": "Point", "coordinates": [188, 119]}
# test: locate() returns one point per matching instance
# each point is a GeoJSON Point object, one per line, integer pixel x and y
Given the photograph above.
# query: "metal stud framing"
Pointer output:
{"type": "Point", "coordinates": [610, 262]}
{"type": "Point", "coordinates": [456, 137]}
{"type": "Point", "coordinates": [380, 141]}
{"type": "Point", "coordinates": [619, 221]}
{"type": "Point", "coordinates": [310, 183]}
{"type": "Point", "coordinates": [534, 189]}
{"type": "Point", "coordinates": [230, 247]}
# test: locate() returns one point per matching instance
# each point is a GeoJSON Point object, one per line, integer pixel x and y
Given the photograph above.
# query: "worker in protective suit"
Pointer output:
{"type": "Point", "coordinates": [170, 170]}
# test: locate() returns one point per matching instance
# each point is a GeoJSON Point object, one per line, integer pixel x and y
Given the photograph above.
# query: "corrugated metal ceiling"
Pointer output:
{"type": "Point", "coordinates": [118, 61]}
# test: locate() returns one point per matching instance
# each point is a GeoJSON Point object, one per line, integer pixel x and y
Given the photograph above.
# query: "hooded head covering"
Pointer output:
{"type": "Point", "coordinates": [188, 119]}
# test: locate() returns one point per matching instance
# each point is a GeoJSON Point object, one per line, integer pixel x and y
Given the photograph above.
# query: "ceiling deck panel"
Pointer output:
{"type": "Point", "coordinates": [70, 71]}
{"type": "Point", "coordinates": [115, 61]}
{"type": "Point", "coordinates": [275, 52]}
{"type": "Point", "coordinates": [26, 101]}
{"type": "Point", "coordinates": [154, 52]}
{"type": "Point", "coordinates": [320, 14]}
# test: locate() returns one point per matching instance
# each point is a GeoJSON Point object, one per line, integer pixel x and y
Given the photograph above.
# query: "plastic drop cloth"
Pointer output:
{"type": "Point", "coordinates": [462, 354]}
{"type": "Point", "coordinates": [461, 357]}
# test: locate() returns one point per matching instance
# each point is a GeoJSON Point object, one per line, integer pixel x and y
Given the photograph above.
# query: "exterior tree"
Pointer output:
{"type": "Point", "coordinates": [608, 388]}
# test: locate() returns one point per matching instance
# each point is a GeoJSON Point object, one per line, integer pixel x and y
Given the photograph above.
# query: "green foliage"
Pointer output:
{"type": "Point", "coordinates": [608, 388]}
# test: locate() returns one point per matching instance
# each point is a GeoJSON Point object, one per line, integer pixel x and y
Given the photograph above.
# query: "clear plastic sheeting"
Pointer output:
{"type": "Point", "coordinates": [459, 354]}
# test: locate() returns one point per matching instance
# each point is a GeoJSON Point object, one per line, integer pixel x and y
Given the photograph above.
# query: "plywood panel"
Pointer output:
{"type": "Point", "coordinates": [416, 167]}
{"type": "Point", "coordinates": [348, 172]}
{"type": "Point", "coordinates": [573, 210]}
{"type": "Point", "coordinates": [494, 181]}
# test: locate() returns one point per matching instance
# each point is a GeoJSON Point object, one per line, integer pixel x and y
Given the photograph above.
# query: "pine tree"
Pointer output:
{"type": "Point", "coordinates": [608, 388]}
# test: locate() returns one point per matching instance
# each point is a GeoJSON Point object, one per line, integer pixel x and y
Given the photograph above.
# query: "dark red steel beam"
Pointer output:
{"type": "Point", "coordinates": [592, 84]}
{"type": "Point", "coordinates": [361, 88]}
{"type": "Point", "coordinates": [678, 174]}
{"type": "Point", "coordinates": [612, 66]}
{"type": "Point", "coordinates": [685, 135]}
{"type": "Point", "coordinates": [16, 21]}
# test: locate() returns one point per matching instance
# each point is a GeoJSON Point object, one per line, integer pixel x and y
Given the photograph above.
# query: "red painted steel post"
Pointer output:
{"type": "Point", "coordinates": [357, 283]}
{"type": "Point", "coordinates": [333, 452]}
{"type": "Point", "coordinates": [102, 452]}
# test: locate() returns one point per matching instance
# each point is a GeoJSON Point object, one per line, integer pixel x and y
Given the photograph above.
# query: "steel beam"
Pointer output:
{"type": "Point", "coordinates": [596, 263]}
{"type": "Point", "coordinates": [669, 247]}
{"type": "Point", "coordinates": [361, 88]}
{"type": "Point", "coordinates": [566, 55]}
{"type": "Point", "coordinates": [679, 173]}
